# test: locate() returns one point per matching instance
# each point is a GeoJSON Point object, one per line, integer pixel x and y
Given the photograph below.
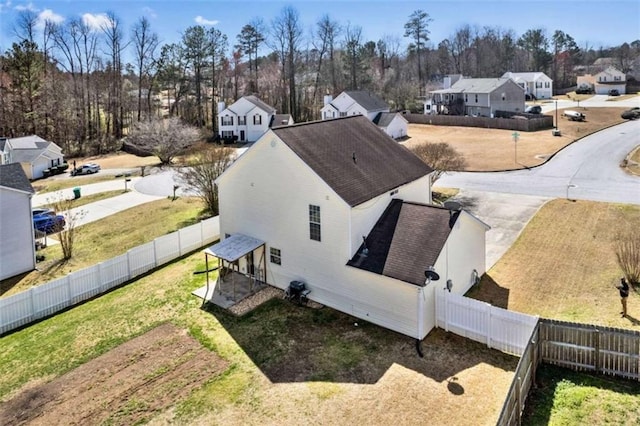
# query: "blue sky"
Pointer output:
{"type": "Point", "coordinates": [594, 22]}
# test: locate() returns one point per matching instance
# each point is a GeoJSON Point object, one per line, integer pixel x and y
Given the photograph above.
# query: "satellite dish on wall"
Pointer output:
{"type": "Point", "coordinates": [431, 274]}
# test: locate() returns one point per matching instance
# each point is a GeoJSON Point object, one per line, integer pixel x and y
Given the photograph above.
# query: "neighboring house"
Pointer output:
{"type": "Point", "coordinates": [360, 102]}
{"type": "Point", "coordinates": [393, 124]}
{"type": "Point", "coordinates": [248, 118]}
{"type": "Point", "coordinates": [604, 81]}
{"type": "Point", "coordinates": [17, 251]}
{"type": "Point", "coordinates": [535, 84]}
{"type": "Point", "coordinates": [340, 206]}
{"type": "Point", "coordinates": [477, 97]}
{"type": "Point", "coordinates": [32, 152]}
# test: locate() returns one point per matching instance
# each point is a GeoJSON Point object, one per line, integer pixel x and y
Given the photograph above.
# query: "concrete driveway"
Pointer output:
{"type": "Point", "coordinates": [599, 101]}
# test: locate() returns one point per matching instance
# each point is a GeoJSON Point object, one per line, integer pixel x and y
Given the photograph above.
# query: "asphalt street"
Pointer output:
{"type": "Point", "coordinates": [588, 169]}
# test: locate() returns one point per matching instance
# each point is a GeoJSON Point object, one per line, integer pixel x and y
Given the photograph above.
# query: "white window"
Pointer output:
{"type": "Point", "coordinates": [343, 114]}
{"type": "Point", "coordinates": [617, 78]}
{"type": "Point", "coordinates": [538, 85]}
{"type": "Point", "coordinates": [466, 97]}
{"type": "Point", "coordinates": [504, 96]}
{"type": "Point", "coordinates": [476, 98]}
{"type": "Point", "coordinates": [314, 223]}
{"type": "Point", "coordinates": [242, 120]}
{"type": "Point", "coordinates": [227, 120]}
{"type": "Point", "coordinates": [547, 85]}
{"type": "Point", "coordinates": [276, 256]}
{"type": "Point", "coordinates": [227, 133]}
{"type": "Point", "coordinates": [257, 119]}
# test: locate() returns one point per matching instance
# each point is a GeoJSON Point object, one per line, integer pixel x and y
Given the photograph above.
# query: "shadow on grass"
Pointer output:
{"type": "Point", "coordinates": [9, 283]}
{"type": "Point", "coordinates": [488, 290]}
{"type": "Point", "coordinates": [566, 391]}
{"type": "Point", "coordinates": [292, 343]}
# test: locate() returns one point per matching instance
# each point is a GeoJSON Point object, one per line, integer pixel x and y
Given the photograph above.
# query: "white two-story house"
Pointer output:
{"type": "Point", "coordinates": [340, 206]}
{"type": "Point", "coordinates": [605, 81]}
{"type": "Point", "coordinates": [360, 102]}
{"type": "Point", "coordinates": [477, 97]}
{"type": "Point", "coordinates": [248, 118]}
{"type": "Point", "coordinates": [537, 85]}
{"type": "Point", "coordinates": [34, 154]}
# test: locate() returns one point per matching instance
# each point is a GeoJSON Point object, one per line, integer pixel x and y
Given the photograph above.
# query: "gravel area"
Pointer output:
{"type": "Point", "coordinates": [250, 303]}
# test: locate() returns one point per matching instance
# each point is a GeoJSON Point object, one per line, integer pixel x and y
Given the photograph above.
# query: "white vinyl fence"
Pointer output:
{"type": "Point", "coordinates": [47, 299]}
{"type": "Point", "coordinates": [499, 328]}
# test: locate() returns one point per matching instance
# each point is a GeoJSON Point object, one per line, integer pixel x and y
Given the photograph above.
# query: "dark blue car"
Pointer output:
{"type": "Point", "coordinates": [47, 221]}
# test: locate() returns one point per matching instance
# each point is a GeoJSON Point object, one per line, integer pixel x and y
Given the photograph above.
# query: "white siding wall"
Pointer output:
{"type": "Point", "coordinates": [17, 252]}
{"type": "Point", "coordinates": [397, 128]}
{"type": "Point", "coordinates": [240, 108]}
{"type": "Point", "coordinates": [38, 166]}
{"type": "Point", "coordinates": [463, 252]}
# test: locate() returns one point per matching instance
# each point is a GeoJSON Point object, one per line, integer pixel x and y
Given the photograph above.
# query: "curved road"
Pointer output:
{"type": "Point", "coordinates": [587, 170]}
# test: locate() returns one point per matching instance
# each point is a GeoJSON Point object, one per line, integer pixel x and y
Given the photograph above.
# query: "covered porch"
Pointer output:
{"type": "Point", "coordinates": [241, 265]}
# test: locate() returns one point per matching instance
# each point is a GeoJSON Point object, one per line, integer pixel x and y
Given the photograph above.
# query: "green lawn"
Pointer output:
{"type": "Point", "coordinates": [563, 397]}
{"type": "Point", "coordinates": [110, 237]}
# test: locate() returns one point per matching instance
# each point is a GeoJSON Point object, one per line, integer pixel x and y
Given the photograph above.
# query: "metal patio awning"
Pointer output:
{"type": "Point", "coordinates": [234, 247]}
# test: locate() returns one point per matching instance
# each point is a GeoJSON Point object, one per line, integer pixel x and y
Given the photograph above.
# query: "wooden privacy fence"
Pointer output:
{"type": "Point", "coordinates": [534, 124]}
{"type": "Point", "coordinates": [507, 331]}
{"type": "Point", "coordinates": [47, 299]}
{"type": "Point", "coordinates": [579, 347]}
{"type": "Point", "coordinates": [584, 347]}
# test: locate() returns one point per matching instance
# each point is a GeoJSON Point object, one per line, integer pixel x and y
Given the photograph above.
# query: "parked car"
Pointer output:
{"type": "Point", "coordinates": [533, 109]}
{"type": "Point", "coordinates": [614, 92]}
{"type": "Point", "coordinates": [47, 221]}
{"type": "Point", "coordinates": [583, 90]}
{"type": "Point", "coordinates": [86, 169]}
{"type": "Point", "coordinates": [574, 115]}
{"type": "Point", "coordinates": [631, 114]}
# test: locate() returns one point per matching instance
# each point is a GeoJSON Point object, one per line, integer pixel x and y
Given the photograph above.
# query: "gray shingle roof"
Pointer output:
{"type": "Point", "coordinates": [280, 120]}
{"type": "Point", "coordinates": [407, 239]}
{"type": "Point", "coordinates": [368, 100]}
{"type": "Point", "coordinates": [12, 176]}
{"type": "Point", "coordinates": [257, 102]}
{"type": "Point", "coordinates": [474, 85]}
{"type": "Point", "coordinates": [353, 156]}
{"type": "Point", "coordinates": [383, 119]}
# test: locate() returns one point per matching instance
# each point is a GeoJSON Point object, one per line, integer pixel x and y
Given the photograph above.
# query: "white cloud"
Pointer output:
{"type": "Point", "coordinates": [29, 6]}
{"type": "Point", "coordinates": [48, 15]}
{"type": "Point", "coordinates": [149, 12]}
{"type": "Point", "coordinates": [96, 21]}
{"type": "Point", "coordinates": [5, 6]}
{"type": "Point", "coordinates": [202, 21]}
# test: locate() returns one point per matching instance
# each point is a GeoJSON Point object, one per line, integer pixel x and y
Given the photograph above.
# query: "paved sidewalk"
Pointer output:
{"type": "Point", "coordinates": [94, 188]}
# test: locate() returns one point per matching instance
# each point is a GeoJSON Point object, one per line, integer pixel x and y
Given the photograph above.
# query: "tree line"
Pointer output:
{"type": "Point", "coordinates": [68, 82]}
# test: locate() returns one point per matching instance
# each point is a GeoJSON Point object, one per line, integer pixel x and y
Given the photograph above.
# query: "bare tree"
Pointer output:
{"type": "Point", "coordinates": [217, 47]}
{"type": "Point", "coordinates": [163, 138]}
{"type": "Point", "coordinates": [326, 32]}
{"type": "Point", "coordinates": [112, 30]}
{"type": "Point", "coordinates": [287, 32]}
{"type": "Point", "coordinates": [203, 168]}
{"type": "Point", "coordinates": [67, 234]}
{"type": "Point", "coordinates": [352, 41]}
{"type": "Point", "coordinates": [627, 249]}
{"type": "Point", "coordinates": [145, 43]}
{"type": "Point", "coordinates": [441, 157]}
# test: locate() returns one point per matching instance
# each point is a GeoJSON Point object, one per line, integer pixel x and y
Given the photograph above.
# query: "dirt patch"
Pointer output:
{"type": "Point", "coordinates": [127, 385]}
{"type": "Point", "coordinates": [494, 149]}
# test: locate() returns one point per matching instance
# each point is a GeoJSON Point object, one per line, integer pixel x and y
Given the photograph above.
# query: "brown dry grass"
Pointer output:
{"type": "Point", "coordinates": [493, 149]}
{"type": "Point", "coordinates": [563, 266]}
{"type": "Point", "coordinates": [118, 160]}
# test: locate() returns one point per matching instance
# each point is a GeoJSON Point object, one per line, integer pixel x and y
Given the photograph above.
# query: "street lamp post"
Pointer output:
{"type": "Point", "coordinates": [556, 102]}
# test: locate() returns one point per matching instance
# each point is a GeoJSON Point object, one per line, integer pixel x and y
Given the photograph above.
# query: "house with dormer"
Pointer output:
{"type": "Point", "coordinates": [536, 85]}
{"type": "Point", "coordinates": [247, 119]}
{"type": "Point", "coordinates": [360, 102]}
{"type": "Point", "coordinates": [479, 97]}
{"type": "Point", "coordinates": [33, 153]}
{"type": "Point", "coordinates": [340, 206]}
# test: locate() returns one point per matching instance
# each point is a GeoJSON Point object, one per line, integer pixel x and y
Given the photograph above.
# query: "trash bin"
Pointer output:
{"type": "Point", "coordinates": [76, 192]}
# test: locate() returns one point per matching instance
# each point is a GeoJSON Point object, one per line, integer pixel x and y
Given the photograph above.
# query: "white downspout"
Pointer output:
{"type": "Point", "coordinates": [420, 313]}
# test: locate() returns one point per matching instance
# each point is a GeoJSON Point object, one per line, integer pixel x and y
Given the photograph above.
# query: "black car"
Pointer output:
{"type": "Point", "coordinates": [533, 109]}
{"type": "Point", "coordinates": [614, 92]}
{"type": "Point", "coordinates": [631, 114]}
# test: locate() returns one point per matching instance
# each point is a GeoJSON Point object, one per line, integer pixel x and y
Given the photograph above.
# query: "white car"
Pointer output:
{"type": "Point", "coordinates": [86, 169]}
